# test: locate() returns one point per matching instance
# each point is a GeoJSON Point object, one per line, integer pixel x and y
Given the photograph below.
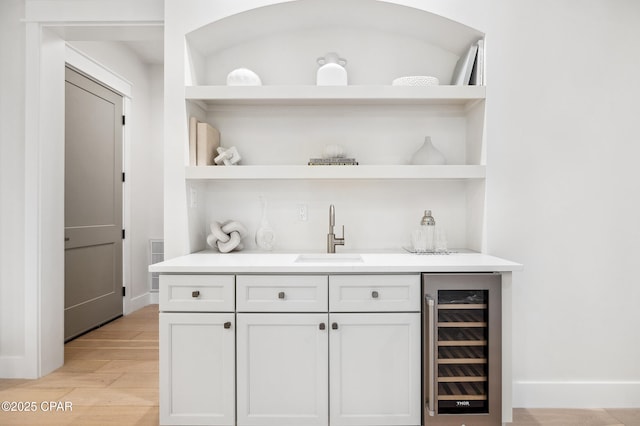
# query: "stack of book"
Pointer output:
{"type": "Point", "coordinates": [470, 67]}
{"type": "Point", "coordinates": [333, 162]}
{"type": "Point", "coordinates": [204, 141]}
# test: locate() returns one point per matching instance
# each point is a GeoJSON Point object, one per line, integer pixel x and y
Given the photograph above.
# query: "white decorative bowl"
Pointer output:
{"type": "Point", "coordinates": [416, 80]}
{"type": "Point", "coordinates": [243, 77]}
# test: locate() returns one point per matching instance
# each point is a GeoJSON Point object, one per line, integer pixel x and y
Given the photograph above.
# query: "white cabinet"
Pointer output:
{"type": "Point", "coordinates": [375, 369]}
{"type": "Point", "coordinates": [374, 350]}
{"type": "Point", "coordinates": [294, 350]}
{"type": "Point", "coordinates": [282, 350]}
{"type": "Point", "coordinates": [197, 349]}
{"type": "Point", "coordinates": [197, 368]}
{"type": "Point", "coordinates": [361, 367]}
{"type": "Point", "coordinates": [282, 369]}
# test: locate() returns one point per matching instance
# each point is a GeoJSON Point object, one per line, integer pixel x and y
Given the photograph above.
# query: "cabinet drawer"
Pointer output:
{"type": "Point", "coordinates": [374, 293]}
{"type": "Point", "coordinates": [281, 293]}
{"type": "Point", "coordinates": [197, 293]}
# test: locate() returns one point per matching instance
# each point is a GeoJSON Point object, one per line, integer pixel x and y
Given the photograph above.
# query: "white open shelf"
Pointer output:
{"type": "Point", "coordinates": [308, 95]}
{"type": "Point", "coordinates": [335, 172]}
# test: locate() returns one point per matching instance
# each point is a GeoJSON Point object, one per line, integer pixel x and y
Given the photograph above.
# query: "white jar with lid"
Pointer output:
{"type": "Point", "coordinates": [331, 71]}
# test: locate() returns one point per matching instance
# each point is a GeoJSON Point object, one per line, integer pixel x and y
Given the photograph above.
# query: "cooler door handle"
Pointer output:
{"type": "Point", "coordinates": [432, 355]}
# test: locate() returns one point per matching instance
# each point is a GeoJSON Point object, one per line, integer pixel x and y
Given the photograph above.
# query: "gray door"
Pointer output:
{"type": "Point", "coordinates": [93, 204]}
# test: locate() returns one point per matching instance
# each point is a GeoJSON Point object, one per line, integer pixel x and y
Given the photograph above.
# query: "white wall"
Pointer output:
{"type": "Point", "coordinates": [31, 219]}
{"type": "Point", "coordinates": [12, 41]}
{"type": "Point", "coordinates": [144, 164]}
{"type": "Point", "coordinates": [564, 192]}
{"type": "Point", "coordinates": [562, 186]}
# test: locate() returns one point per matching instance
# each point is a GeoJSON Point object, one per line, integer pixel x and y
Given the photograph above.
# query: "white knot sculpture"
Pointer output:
{"type": "Point", "coordinates": [226, 236]}
{"type": "Point", "coordinates": [228, 156]}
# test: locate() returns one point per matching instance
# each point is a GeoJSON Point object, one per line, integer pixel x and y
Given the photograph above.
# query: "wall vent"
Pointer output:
{"type": "Point", "coordinates": [156, 254]}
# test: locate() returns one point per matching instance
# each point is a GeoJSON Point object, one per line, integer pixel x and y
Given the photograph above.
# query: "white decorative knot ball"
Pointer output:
{"type": "Point", "coordinates": [226, 236]}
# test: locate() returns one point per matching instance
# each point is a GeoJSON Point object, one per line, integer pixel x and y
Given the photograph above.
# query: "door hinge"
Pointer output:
{"type": "Point", "coordinates": [123, 177]}
{"type": "Point", "coordinates": [123, 120]}
{"type": "Point", "coordinates": [123, 234]}
{"type": "Point", "coordinates": [124, 291]}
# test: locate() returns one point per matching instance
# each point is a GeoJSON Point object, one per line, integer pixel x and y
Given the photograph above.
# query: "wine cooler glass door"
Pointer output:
{"type": "Point", "coordinates": [462, 344]}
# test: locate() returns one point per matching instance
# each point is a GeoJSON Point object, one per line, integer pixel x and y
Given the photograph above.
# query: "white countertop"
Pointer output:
{"type": "Point", "coordinates": [374, 262]}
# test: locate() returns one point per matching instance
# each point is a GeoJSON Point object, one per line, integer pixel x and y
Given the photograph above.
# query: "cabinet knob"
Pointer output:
{"type": "Point", "coordinates": [334, 326]}
{"type": "Point", "coordinates": [227, 325]}
{"type": "Point", "coordinates": [281, 295]}
{"type": "Point", "coordinates": [374, 294]}
{"type": "Point", "coordinates": [195, 293]}
{"type": "Point", "coordinates": [322, 326]}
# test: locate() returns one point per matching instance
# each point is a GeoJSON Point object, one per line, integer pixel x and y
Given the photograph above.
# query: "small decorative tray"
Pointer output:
{"type": "Point", "coordinates": [416, 80]}
{"type": "Point", "coordinates": [429, 253]}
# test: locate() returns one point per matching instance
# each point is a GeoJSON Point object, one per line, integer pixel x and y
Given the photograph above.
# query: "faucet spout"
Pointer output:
{"type": "Point", "coordinates": [332, 218]}
{"type": "Point", "coordinates": [332, 240]}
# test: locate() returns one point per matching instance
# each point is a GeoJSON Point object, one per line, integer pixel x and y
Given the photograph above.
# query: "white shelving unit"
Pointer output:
{"type": "Point", "coordinates": [211, 97]}
{"type": "Point", "coordinates": [279, 126]}
{"type": "Point", "coordinates": [341, 95]}
{"type": "Point", "coordinates": [336, 172]}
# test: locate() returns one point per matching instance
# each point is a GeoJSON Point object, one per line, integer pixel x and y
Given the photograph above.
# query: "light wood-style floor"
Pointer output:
{"type": "Point", "coordinates": [110, 377]}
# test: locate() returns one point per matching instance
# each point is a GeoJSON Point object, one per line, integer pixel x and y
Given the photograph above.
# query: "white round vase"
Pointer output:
{"type": "Point", "coordinates": [428, 154]}
{"type": "Point", "coordinates": [331, 71]}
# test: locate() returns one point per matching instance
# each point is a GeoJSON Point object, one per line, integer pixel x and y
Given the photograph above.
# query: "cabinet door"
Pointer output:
{"type": "Point", "coordinates": [197, 366]}
{"type": "Point", "coordinates": [282, 369]}
{"type": "Point", "coordinates": [375, 369]}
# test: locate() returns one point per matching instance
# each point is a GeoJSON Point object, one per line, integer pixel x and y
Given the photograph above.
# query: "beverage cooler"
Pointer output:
{"type": "Point", "coordinates": [462, 349]}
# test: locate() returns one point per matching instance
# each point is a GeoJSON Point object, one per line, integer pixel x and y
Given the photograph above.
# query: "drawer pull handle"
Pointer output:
{"type": "Point", "coordinates": [374, 294]}
{"type": "Point", "coordinates": [195, 293]}
{"type": "Point", "coordinates": [227, 325]}
{"type": "Point", "coordinates": [322, 326]}
{"type": "Point", "coordinates": [334, 326]}
{"type": "Point", "coordinates": [281, 295]}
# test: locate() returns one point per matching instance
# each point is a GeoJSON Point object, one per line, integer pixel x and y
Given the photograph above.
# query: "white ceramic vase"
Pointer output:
{"type": "Point", "coordinates": [331, 71]}
{"type": "Point", "coordinates": [265, 236]}
{"type": "Point", "coordinates": [428, 154]}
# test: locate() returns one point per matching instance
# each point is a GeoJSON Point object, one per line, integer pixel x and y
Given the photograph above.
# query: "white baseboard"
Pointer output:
{"type": "Point", "coordinates": [576, 394]}
{"type": "Point", "coordinates": [15, 367]}
{"type": "Point", "coordinates": [137, 302]}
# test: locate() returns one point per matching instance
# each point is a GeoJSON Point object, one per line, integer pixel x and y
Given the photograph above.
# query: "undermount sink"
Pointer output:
{"type": "Point", "coordinates": [329, 258]}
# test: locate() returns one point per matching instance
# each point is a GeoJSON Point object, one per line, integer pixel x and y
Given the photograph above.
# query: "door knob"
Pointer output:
{"type": "Point", "coordinates": [281, 295]}
{"type": "Point", "coordinates": [374, 294]}
{"type": "Point", "coordinates": [334, 326]}
{"type": "Point", "coordinates": [322, 326]}
{"type": "Point", "coordinates": [227, 325]}
{"type": "Point", "coordinates": [195, 293]}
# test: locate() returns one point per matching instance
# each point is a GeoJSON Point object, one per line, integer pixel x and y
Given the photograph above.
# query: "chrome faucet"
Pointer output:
{"type": "Point", "coordinates": [332, 241]}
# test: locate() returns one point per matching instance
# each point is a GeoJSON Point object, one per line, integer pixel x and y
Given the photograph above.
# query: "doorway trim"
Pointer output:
{"type": "Point", "coordinates": [45, 57]}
